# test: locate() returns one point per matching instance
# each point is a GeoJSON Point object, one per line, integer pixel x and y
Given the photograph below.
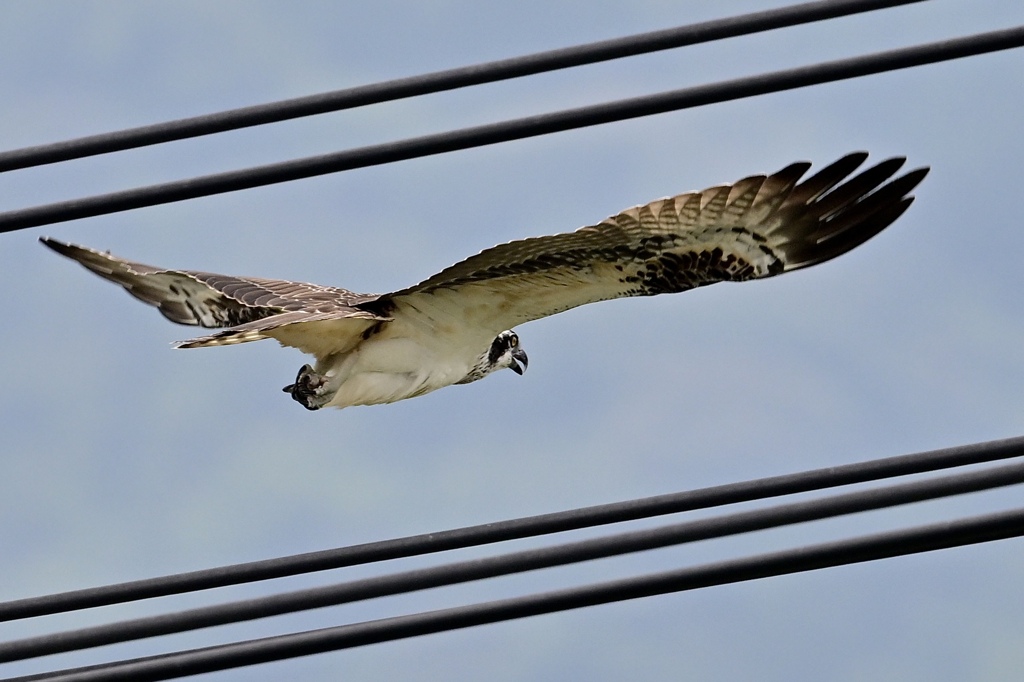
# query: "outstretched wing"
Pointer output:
{"type": "Point", "coordinates": [316, 319]}
{"type": "Point", "coordinates": [758, 227]}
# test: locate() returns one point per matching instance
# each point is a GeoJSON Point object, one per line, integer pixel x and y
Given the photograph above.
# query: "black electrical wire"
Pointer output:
{"type": "Point", "coordinates": [532, 526]}
{"type": "Point", "coordinates": [514, 129]}
{"type": "Point", "coordinates": [440, 81]}
{"type": "Point", "coordinates": [902, 542]}
{"type": "Point", "coordinates": [515, 562]}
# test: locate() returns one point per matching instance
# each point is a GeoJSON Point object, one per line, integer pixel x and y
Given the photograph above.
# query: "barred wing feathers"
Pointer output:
{"type": "Point", "coordinates": [316, 319]}
{"type": "Point", "coordinates": [758, 227]}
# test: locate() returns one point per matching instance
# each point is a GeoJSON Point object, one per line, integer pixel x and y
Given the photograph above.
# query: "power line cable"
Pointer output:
{"type": "Point", "coordinates": [861, 549]}
{"type": "Point", "coordinates": [515, 562]}
{"type": "Point", "coordinates": [532, 526]}
{"type": "Point", "coordinates": [440, 81]}
{"type": "Point", "coordinates": [514, 129]}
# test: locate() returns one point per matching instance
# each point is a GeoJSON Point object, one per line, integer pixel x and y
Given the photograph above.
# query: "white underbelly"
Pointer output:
{"type": "Point", "coordinates": [385, 369]}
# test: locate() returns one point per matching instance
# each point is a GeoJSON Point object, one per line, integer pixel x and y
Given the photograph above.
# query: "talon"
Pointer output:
{"type": "Point", "coordinates": [307, 389]}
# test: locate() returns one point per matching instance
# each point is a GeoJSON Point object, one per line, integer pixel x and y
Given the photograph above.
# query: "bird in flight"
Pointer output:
{"type": "Point", "coordinates": [456, 326]}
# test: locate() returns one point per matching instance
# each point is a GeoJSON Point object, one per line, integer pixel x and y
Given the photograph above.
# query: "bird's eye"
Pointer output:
{"type": "Point", "coordinates": [513, 341]}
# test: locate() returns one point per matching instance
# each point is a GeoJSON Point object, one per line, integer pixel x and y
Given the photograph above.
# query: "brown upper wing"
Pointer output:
{"type": "Point", "coordinates": [758, 227]}
{"type": "Point", "coordinates": [247, 308]}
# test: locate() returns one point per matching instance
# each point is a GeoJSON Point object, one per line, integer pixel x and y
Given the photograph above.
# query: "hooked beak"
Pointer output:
{"type": "Point", "coordinates": [520, 355]}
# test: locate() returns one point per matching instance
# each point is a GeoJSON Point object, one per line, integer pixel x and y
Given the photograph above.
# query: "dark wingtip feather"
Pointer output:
{"type": "Point", "coordinates": [855, 189]}
{"type": "Point", "coordinates": [58, 246]}
{"type": "Point", "coordinates": [881, 218]}
{"type": "Point", "coordinates": [72, 251]}
{"type": "Point", "coordinates": [825, 179]}
{"type": "Point", "coordinates": [795, 169]}
{"type": "Point", "coordinates": [851, 213]}
{"type": "Point", "coordinates": [103, 264]}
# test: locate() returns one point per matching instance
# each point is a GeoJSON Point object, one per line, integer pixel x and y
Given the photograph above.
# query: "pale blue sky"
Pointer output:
{"type": "Point", "coordinates": [123, 459]}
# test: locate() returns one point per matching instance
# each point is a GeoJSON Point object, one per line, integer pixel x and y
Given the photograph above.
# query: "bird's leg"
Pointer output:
{"type": "Point", "coordinates": [309, 389]}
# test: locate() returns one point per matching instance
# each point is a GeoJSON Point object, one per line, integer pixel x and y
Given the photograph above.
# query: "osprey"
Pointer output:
{"type": "Point", "coordinates": [455, 327]}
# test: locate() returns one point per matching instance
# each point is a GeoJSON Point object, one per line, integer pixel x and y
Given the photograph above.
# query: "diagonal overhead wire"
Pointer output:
{"type": "Point", "coordinates": [515, 562]}
{"type": "Point", "coordinates": [890, 544]}
{"type": "Point", "coordinates": [532, 526]}
{"type": "Point", "coordinates": [439, 81]}
{"type": "Point", "coordinates": [505, 131]}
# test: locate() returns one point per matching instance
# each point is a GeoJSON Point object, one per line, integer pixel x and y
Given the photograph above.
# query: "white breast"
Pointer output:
{"type": "Point", "coordinates": [409, 357]}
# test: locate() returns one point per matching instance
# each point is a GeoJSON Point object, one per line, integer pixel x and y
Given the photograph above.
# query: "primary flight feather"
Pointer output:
{"type": "Point", "coordinates": [455, 327]}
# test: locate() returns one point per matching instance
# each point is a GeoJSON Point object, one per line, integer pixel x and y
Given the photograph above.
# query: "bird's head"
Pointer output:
{"type": "Point", "coordinates": [506, 352]}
